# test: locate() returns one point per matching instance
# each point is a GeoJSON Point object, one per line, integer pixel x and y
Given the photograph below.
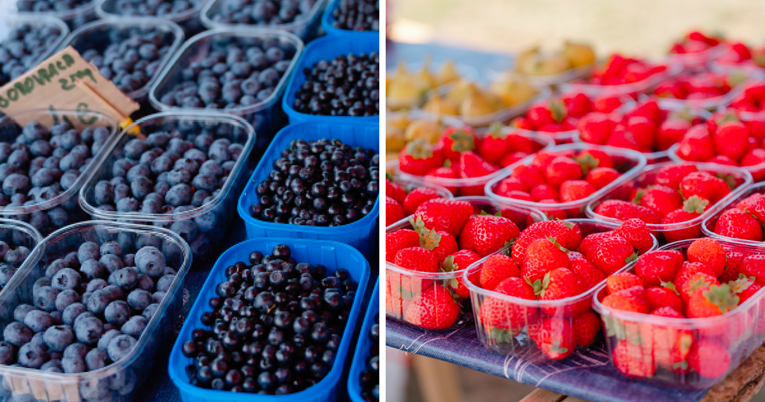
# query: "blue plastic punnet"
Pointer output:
{"type": "Point", "coordinates": [362, 347]}
{"type": "Point", "coordinates": [327, 19]}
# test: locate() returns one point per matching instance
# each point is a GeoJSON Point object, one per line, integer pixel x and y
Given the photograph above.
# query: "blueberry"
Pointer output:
{"type": "Point", "coordinates": [66, 298]}
{"type": "Point", "coordinates": [96, 284]}
{"type": "Point", "coordinates": [66, 278]}
{"type": "Point", "coordinates": [120, 347]}
{"type": "Point", "coordinates": [35, 131]}
{"type": "Point", "coordinates": [178, 176]}
{"type": "Point", "coordinates": [73, 364]}
{"type": "Point", "coordinates": [150, 261]}
{"type": "Point", "coordinates": [121, 191]}
{"type": "Point", "coordinates": [126, 278]}
{"type": "Point", "coordinates": [6, 274]}
{"type": "Point", "coordinates": [107, 337]}
{"type": "Point", "coordinates": [45, 298]}
{"type": "Point", "coordinates": [96, 359]}
{"type": "Point", "coordinates": [76, 349]}
{"type": "Point", "coordinates": [164, 283]}
{"type": "Point", "coordinates": [141, 186]}
{"type": "Point", "coordinates": [15, 183]}
{"type": "Point", "coordinates": [162, 164]}
{"type": "Point", "coordinates": [128, 204]}
{"type": "Point", "coordinates": [149, 311]}
{"type": "Point", "coordinates": [136, 171]}
{"type": "Point", "coordinates": [158, 139]}
{"type": "Point", "coordinates": [145, 283]}
{"type": "Point", "coordinates": [71, 160]}
{"type": "Point", "coordinates": [178, 195]}
{"type": "Point", "coordinates": [129, 260]}
{"type": "Point", "coordinates": [134, 326]}
{"type": "Point", "coordinates": [58, 217]}
{"type": "Point", "coordinates": [88, 329]}
{"type": "Point", "coordinates": [17, 333]}
{"type": "Point", "coordinates": [187, 229]}
{"type": "Point", "coordinates": [92, 269]}
{"type": "Point", "coordinates": [16, 256]}
{"type": "Point", "coordinates": [73, 311]}
{"type": "Point", "coordinates": [98, 301]}
{"type": "Point", "coordinates": [58, 337]}
{"type": "Point", "coordinates": [38, 321]}
{"type": "Point", "coordinates": [121, 167]}
{"type": "Point", "coordinates": [19, 158]}
{"type": "Point", "coordinates": [88, 251]}
{"type": "Point", "coordinates": [115, 292]}
{"type": "Point", "coordinates": [41, 148]}
{"type": "Point", "coordinates": [139, 299]}
{"type": "Point", "coordinates": [69, 178]}
{"type": "Point", "coordinates": [32, 356]}
{"type": "Point", "coordinates": [21, 311]}
{"type": "Point", "coordinates": [111, 247]}
{"type": "Point", "coordinates": [7, 353]}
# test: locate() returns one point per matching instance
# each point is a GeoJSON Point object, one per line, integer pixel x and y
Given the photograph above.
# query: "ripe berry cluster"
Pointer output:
{"type": "Point", "coordinates": [357, 15]}
{"type": "Point", "coordinates": [23, 47]}
{"type": "Point", "coordinates": [399, 203]}
{"type": "Point", "coordinates": [87, 312]}
{"type": "Point", "coordinates": [370, 377]}
{"type": "Point", "coordinates": [236, 72]}
{"type": "Point", "coordinates": [564, 113]}
{"type": "Point", "coordinates": [319, 183]}
{"type": "Point", "coordinates": [345, 86]}
{"type": "Point", "coordinates": [41, 164]}
{"type": "Point", "coordinates": [154, 7]}
{"type": "Point", "coordinates": [744, 219]}
{"type": "Point", "coordinates": [620, 70]}
{"type": "Point", "coordinates": [40, 6]}
{"type": "Point", "coordinates": [12, 256]}
{"type": "Point", "coordinates": [275, 326]}
{"type": "Point", "coordinates": [130, 57]}
{"type": "Point", "coordinates": [263, 12]}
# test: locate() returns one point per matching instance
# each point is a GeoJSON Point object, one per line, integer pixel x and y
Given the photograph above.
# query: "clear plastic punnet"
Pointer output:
{"type": "Point", "coordinates": [749, 74]}
{"type": "Point", "coordinates": [306, 27]}
{"type": "Point", "coordinates": [627, 162]}
{"type": "Point", "coordinates": [210, 220]}
{"type": "Point", "coordinates": [98, 35]}
{"type": "Point", "coordinates": [403, 285]}
{"type": "Point", "coordinates": [731, 337]}
{"type": "Point", "coordinates": [73, 18]}
{"type": "Point", "coordinates": [266, 116]}
{"type": "Point", "coordinates": [118, 380]}
{"type": "Point", "coordinates": [37, 21]}
{"type": "Point", "coordinates": [698, 59]}
{"type": "Point", "coordinates": [708, 226]}
{"type": "Point", "coordinates": [669, 232]}
{"type": "Point", "coordinates": [633, 89]}
{"type": "Point", "coordinates": [189, 19]}
{"type": "Point", "coordinates": [503, 322]}
{"type": "Point", "coordinates": [20, 234]}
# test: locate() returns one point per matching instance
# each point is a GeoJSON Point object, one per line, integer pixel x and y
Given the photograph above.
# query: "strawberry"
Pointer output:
{"type": "Point", "coordinates": [671, 131]}
{"type": "Point", "coordinates": [733, 260]}
{"type": "Point", "coordinates": [703, 185]}
{"type": "Point", "coordinates": [458, 261]}
{"type": "Point", "coordinates": [696, 145]}
{"type": "Point", "coordinates": [659, 297]}
{"type": "Point", "coordinates": [642, 128]}
{"type": "Point", "coordinates": [437, 175]}
{"type": "Point", "coordinates": [418, 158]}
{"type": "Point", "coordinates": [443, 214]}
{"type": "Point", "coordinates": [708, 252]}
{"type": "Point", "coordinates": [393, 211]}
{"type": "Point", "coordinates": [440, 242]}
{"type": "Point", "coordinates": [633, 360]}
{"type": "Point", "coordinates": [611, 254]}
{"type": "Point", "coordinates": [595, 128]}
{"type": "Point", "coordinates": [662, 199]}
{"type": "Point", "coordinates": [528, 175]}
{"type": "Point", "coordinates": [562, 168]}
{"type": "Point", "coordinates": [456, 140]}
{"type": "Point", "coordinates": [602, 176]}
{"type": "Point", "coordinates": [553, 212]}
{"type": "Point", "coordinates": [577, 104]}
{"type": "Point", "coordinates": [587, 273]}
{"type": "Point", "coordinates": [692, 209]}
{"type": "Point", "coordinates": [672, 175]}
{"type": "Point", "coordinates": [621, 138]}
{"type": "Point", "coordinates": [512, 157]}
{"type": "Point", "coordinates": [566, 234]}
{"type": "Point", "coordinates": [544, 192]}
{"type": "Point", "coordinates": [394, 191]}
{"type": "Point", "coordinates": [636, 233]}
{"type": "Point", "coordinates": [519, 195]}
{"type": "Point", "coordinates": [696, 283]}
{"type": "Point", "coordinates": [669, 344]}
{"type": "Point", "coordinates": [433, 309]}
{"type": "Point", "coordinates": [572, 190]}
{"type": "Point", "coordinates": [659, 266]}
{"type": "Point", "coordinates": [417, 197]}
{"type": "Point", "coordinates": [593, 158]}
{"type": "Point", "coordinates": [739, 225]}
{"type": "Point", "coordinates": [632, 299]}
{"type": "Point", "coordinates": [731, 139]}
{"type": "Point", "coordinates": [586, 328]}
{"type": "Point", "coordinates": [755, 205]}
{"type": "Point", "coordinates": [556, 338]}
{"type": "Point", "coordinates": [495, 269]}
{"type": "Point", "coordinates": [539, 115]}
{"type": "Point", "coordinates": [522, 143]}
{"type": "Point", "coordinates": [471, 165]}
{"type": "Point", "coordinates": [745, 288]}
{"type": "Point", "coordinates": [398, 240]}
{"type": "Point", "coordinates": [494, 145]}
{"type": "Point", "coordinates": [593, 239]}
{"type": "Point", "coordinates": [561, 283]}
{"type": "Point", "coordinates": [508, 184]}
{"type": "Point", "coordinates": [687, 271]}
{"type": "Point", "coordinates": [622, 280]}
{"type": "Point", "coordinates": [504, 320]}
{"type": "Point", "coordinates": [542, 256]}
{"type": "Point", "coordinates": [417, 259]}
{"type": "Point", "coordinates": [543, 158]}
{"type": "Point", "coordinates": [394, 303]}
{"type": "Point", "coordinates": [486, 234]}
{"type": "Point", "coordinates": [709, 359]}
{"type": "Point", "coordinates": [648, 109]}
{"type": "Point", "coordinates": [754, 266]}
{"type": "Point", "coordinates": [606, 103]}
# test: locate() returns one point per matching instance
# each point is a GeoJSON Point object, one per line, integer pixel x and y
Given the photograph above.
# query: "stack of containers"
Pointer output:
{"type": "Point", "coordinates": [74, 18]}
{"type": "Point", "coordinates": [306, 27]}
{"type": "Point", "coordinates": [189, 19]}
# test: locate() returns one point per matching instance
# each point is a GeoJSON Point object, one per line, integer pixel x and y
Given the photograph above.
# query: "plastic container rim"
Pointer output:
{"type": "Point", "coordinates": [210, 24]}
{"type": "Point", "coordinates": [40, 20]}
{"type": "Point", "coordinates": [174, 17]}
{"type": "Point", "coordinates": [639, 86]}
{"type": "Point", "coordinates": [710, 233]}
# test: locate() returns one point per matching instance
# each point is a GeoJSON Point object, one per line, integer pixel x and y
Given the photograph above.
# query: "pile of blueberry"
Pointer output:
{"type": "Point", "coordinates": [319, 183]}
{"type": "Point", "coordinates": [23, 47]}
{"type": "Point", "coordinates": [236, 72]}
{"type": "Point", "coordinates": [41, 164]}
{"type": "Point", "coordinates": [275, 326]}
{"type": "Point", "coordinates": [130, 57]}
{"type": "Point", "coordinates": [140, 8]}
{"type": "Point", "coordinates": [262, 12]}
{"type": "Point", "coordinates": [41, 6]}
{"type": "Point", "coordinates": [345, 86]}
{"type": "Point", "coordinates": [12, 257]}
{"type": "Point", "coordinates": [88, 311]}
{"type": "Point", "coordinates": [357, 15]}
{"type": "Point", "coordinates": [370, 377]}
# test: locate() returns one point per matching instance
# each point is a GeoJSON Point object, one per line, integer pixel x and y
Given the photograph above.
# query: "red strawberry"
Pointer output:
{"type": "Point", "coordinates": [662, 199]}
{"type": "Point", "coordinates": [669, 344]}
{"type": "Point", "coordinates": [471, 165]}
{"type": "Point", "coordinates": [519, 195]}
{"type": "Point", "coordinates": [561, 283]}
{"type": "Point", "coordinates": [611, 254]}
{"type": "Point", "coordinates": [394, 191]}
{"type": "Point", "coordinates": [648, 109]}
{"type": "Point", "coordinates": [622, 280]}
{"type": "Point", "coordinates": [586, 328]}
{"type": "Point", "coordinates": [458, 261]}
{"type": "Point", "coordinates": [601, 177]}
{"type": "Point", "coordinates": [606, 103]}
{"type": "Point", "coordinates": [398, 240]}
{"type": "Point", "coordinates": [495, 269]}
{"type": "Point", "coordinates": [642, 129]}
{"type": "Point", "coordinates": [486, 234]}
{"type": "Point", "coordinates": [417, 259]}
{"type": "Point", "coordinates": [572, 190]}
{"type": "Point", "coordinates": [696, 145]}
{"type": "Point", "coordinates": [418, 196]}
{"type": "Point", "coordinates": [733, 260]}
{"type": "Point", "coordinates": [745, 288]}
{"type": "Point", "coordinates": [543, 158]}
{"type": "Point", "coordinates": [672, 175]}
{"type": "Point", "coordinates": [636, 233]}
{"type": "Point", "coordinates": [709, 359]}
{"type": "Point", "coordinates": [754, 266]}
{"type": "Point", "coordinates": [621, 138]}
{"type": "Point", "coordinates": [544, 192]}
{"type": "Point", "coordinates": [440, 242]}
{"type": "Point", "coordinates": [692, 209]}
{"type": "Point", "coordinates": [659, 266]}
{"type": "Point", "coordinates": [577, 104]}
{"type": "Point", "coordinates": [708, 252]}
{"type": "Point", "coordinates": [703, 185]}
{"type": "Point", "coordinates": [739, 225]}
{"type": "Point", "coordinates": [632, 299]}
{"type": "Point", "coordinates": [393, 211]}
{"type": "Point", "coordinates": [687, 271]}
{"type": "Point", "coordinates": [528, 175]}
{"type": "Point", "coordinates": [433, 309]}
{"type": "Point", "coordinates": [587, 273]}
{"type": "Point", "coordinates": [593, 158]}
{"type": "Point", "coordinates": [542, 256]}
{"type": "Point", "coordinates": [512, 157]}
{"type": "Point", "coordinates": [418, 158]}
{"type": "Point", "coordinates": [562, 168]}
{"type": "Point", "coordinates": [539, 115]}
{"type": "Point", "coordinates": [456, 140]}
{"type": "Point", "coordinates": [504, 320]}
{"type": "Point", "coordinates": [436, 177]}
{"type": "Point", "coordinates": [731, 139]}
{"type": "Point", "coordinates": [592, 240]}
{"type": "Point", "coordinates": [595, 128]}
{"type": "Point", "coordinates": [443, 214]}
{"type": "Point", "coordinates": [671, 132]}
{"type": "Point", "coordinates": [508, 184]}
{"type": "Point", "coordinates": [696, 283]}
{"type": "Point", "coordinates": [566, 234]}
{"type": "Point", "coordinates": [633, 360]}
{"type": "Point", "coordinates": [754, 204]}
{"type": "Point", "coordinates": [662, 298]}
{"type": "Point", "coordinates": [494, 145]}
{"type": "Point", "coordinates": [556, 338]}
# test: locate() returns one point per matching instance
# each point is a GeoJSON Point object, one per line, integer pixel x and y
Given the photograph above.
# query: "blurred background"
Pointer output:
{"type": "Point", "coordinates": [636, 28]}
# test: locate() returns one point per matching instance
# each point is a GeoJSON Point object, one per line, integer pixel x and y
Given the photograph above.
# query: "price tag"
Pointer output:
{"type": "Point", "coordinates": [66, 81]}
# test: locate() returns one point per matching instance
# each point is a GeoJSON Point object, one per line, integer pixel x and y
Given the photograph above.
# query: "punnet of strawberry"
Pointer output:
{"type": "Point", "coordinates": [649, 127]}
{"type": "Point", "coordinates": [562, 180]}
{"type": "Point", "coordinates": [738, 53]}
{"type": "Point", "coordinates": [687, 313]}
{"type": "Point", "coordinates": [404, 196]}
{"type": "Point", "coordinates": [743, 220]}
{"type": "Point", "coordinates": [622, 75]}
{"type": "Point", "coordinates": [426, 254]}
{"type": "Point", "coordinates": [559, 116]}
{"type": "Point", "coordinates": [672, 198]}
{"type": "Point", "coordinates": [705, 89]}
{"type": "Point", "coordinates": [462, 161]}
{"type": "Point", "coordinates": [699, 45]}
{"type": "Point", "coordinates": [541, 289]}
{"type": "Point", "coordinates": [728, 138]}
{"type": "Point", "coordinates": [752, 100]}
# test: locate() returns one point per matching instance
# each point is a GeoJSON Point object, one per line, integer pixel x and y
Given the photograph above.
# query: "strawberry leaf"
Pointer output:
{"type": "Point", "coordinates": [429, 239]}
{"type": "Point", "coordinates": [681, 365]}
{"type": "Point", "coordinates": [695, 204]}
{"type": "Point", "coordinates": [496, 132]}
{"type": "Point", "coordinates": [670, 286]}
{"type": "Point", "coordinates": [557, 109]}
{"type": "Point", "coordinates": [568, 225]}
{"type": "Point", "coordinates": [631, 258]}
{"type": "Point", "coordinates": [729, 179]}
{"type": "Point", "coordinates": [553, 240]}
{"type": "Point", "coordinates": [501, 336]}
{"type": "Point", "coordinates": [462, 141]}
{"type": "Point", "coordinates": [737, 77]}
{"type": "Point", "coordinates": [684, 114]}
{"type": "Point", "coordinates": [419, 149]}
{"type": "Point", "coordinates": [449, 265]}
{"type": "Point", "coordinates": [722, 297]}
{"type": "Point", "coordinates": [587, 162]}
{"type": "Point", "coordinates": [615, 328]}
{"type": "Point", "coordinates": [556, 347]}
{"type": "Point", "coordinates": [639, 196]}
{"type": "Point", "coordinates": [740, 284]}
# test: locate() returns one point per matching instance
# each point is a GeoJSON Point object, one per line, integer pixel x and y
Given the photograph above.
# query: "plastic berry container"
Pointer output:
{"type": "Point", "coordinates": [20, 234]}
{"type": "Point", "coordinates": [326, 49]}
{"type": "Point", "coordinates": [37, 21]}
{"type": "Point", "coordinates": [96, 35]}
{"type": "Point", "coordinates": [327, 19]}
{"type": "Point", "coordinates": [211, 219]}
{"type": "Point", "coordinates": [632, 89]}
{"type": "Point", "coordinates": [474, 186]}
{"type": "Point", "coordinates": [743, 330]}
{"type": "Point", "coordinates": [708, 225]}
{"type": "Point", "coordinates": [363, 346]}
{"type": "Point", "coordinates": [189, 19]}
{"type": "Point", "coordinates": [627, 162]}
{"type": "Point", "coordinates": [306, 27]}
{"type": "Point", "coordinates": [521, 346]}
{"type": "Point", "coordinates": [646, 176]}
{"type": "Point", "coordinates": [753, 74]}
{"type": "Point", "coordinates": [416, 282]}
{"type": "Point", "coordinates": [698, 59]}
{"type": "Point", "coordinates": [73, 18]}
{"type": "Point", "coordinates": [757, 171]}
{"type": "Point", "coordinates": [331, 254]}
{"type": "Point", "coordinates": [361, 234]}
{"type": "Point", "coordinates": [266, 115]}
{"type": "Point", "coordinates": [67, 200]}
{"type": "Point", "coordinates": [21, 383]}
